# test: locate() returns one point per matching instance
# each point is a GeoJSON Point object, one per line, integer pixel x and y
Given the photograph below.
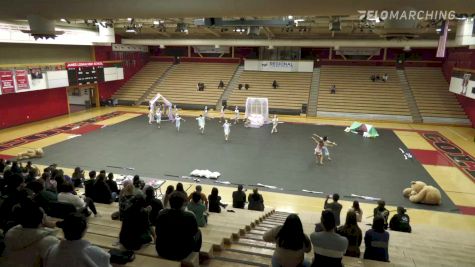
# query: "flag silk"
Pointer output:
{"type": "Point", "coordinates": [443, 39]}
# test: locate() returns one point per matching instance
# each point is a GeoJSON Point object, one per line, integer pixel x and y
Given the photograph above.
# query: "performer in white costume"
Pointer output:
{"type": "Point", "coordinates": [221, 114]}
{"type": "Point", "coordinates": [236, 115]}
{"type": "Point", "coordinates": [326, 144]}
{"type": "Point", "coordinates": [205, 112]}
{"type": "Point", "coordinates": [201, 123]}
{"type": "Point", "coordinates": [175, 110]}
{"type": "Point", "coordinates": [178, 120]}
{"type": "Point", "coordinates": [150, 115]}
{"type": "Point", "coordinates": [275, 122]}
{"type": "Point", "coordinates": [158, 116]}
{"type": "Point", "coordinates": [227, 130]}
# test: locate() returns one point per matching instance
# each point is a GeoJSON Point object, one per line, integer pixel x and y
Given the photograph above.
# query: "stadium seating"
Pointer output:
{"type": "Point", "coordinates": [180, 85]}
{"type": "Point", "coordinates": [135, 88]}
{"type": "Point", "coordinates": [432, 95]}
{"type": "Point", "coordinates": [356, 93]}
{"type": "Point", "coordinates": [292, 92]}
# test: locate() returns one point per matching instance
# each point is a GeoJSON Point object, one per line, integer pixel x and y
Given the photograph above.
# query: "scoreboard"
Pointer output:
{"type": "Point", "coordinates": [83, 73]}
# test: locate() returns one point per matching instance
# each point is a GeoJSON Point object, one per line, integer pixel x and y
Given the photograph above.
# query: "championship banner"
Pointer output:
{"type": "Point", "coordinates": [462, 82]}
{"type": "Point", "coordinates": [21, 77]}
{"type": "Point", "coordinates": [7, 85]}
{"type": "Point", "coordinates": [285, 66]}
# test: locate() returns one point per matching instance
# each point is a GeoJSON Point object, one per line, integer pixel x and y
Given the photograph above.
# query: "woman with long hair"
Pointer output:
{"type": "Point", "coordinates": [353, 233]}
{"type": "Point", "coordinates": [291, 243]}
{"type": "Point", "coordinates": [356, 208]}
{"type": "Point", "coordinates": [166, 198]}
{"type": "Point", "coordinates": [214, 201]}
{"type": "Point", "coordinates": [136, 229]}
{"type": "Point", "coordinates": [256, 201]}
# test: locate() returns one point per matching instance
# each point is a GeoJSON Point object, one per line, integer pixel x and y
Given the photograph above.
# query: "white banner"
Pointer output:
{"type": "Point", "coordinates": [129, 48]}
{"type": "Point", "coordinates": [278, 65]}
{"type": "Point", "coordinates": [462, 82]}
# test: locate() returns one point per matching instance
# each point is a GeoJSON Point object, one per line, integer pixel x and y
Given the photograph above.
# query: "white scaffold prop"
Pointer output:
{"type": "Point", "coordinates": [167, 104]}
{"type": "Point", "coordinates": [257, 112]}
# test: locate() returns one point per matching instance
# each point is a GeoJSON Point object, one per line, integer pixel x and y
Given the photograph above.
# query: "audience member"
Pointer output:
{"type": "Point", "coordinates": [138, 185]}
{"type": "Point", "coordinates": [400, 221]}
{"type": "Point", "coordinates": [15, 168]}
{"type": "Point", "coordinates": [240, 86]}
{"type": "Point", "coordinates": [74, 251]}
{"type": "Point", "coordinates": [333, 89]}
{"type": "Point", "coordinates": [166, 198]}
{"type": "Point", "coordinates": [89, 185]}
{"type": "Point", "coordinates": [177, 231]}
{"type": "Point", "coordinates": [274, 84]}
{"type": "Point", "coordinates": [112, 186]}
{"type": "Point", "coordinates": [328, 246]}
{"type": "Point", "coordinates": [373, 77]}
{"type": "Point", "coordinates": [102, 193]}
{"type": "Point", "coordinates": [81, 203]}
{"type": "Point", "coordinates": [376, 241]}
{"type": "Point", "coordinates": [179, 188]}
{"type": "Point", "coordinates": [153, 204]}
{"type": "Point", "coordinates": [125, 198]}
{"type": "Point", "coordinates": [385, 77]}
{"type": "Point", "coordinates": [78, 177]}
{"type": "Point", "coordinates": [136, 229]}
{"type": "Point", "coordinates": [221, 84]}
{"type": "Point", "coordinates": [27, 243]}
{"type": "Point", "coordinates": [239, 198]}
{"type": "Point", "coordinates": [356, 208]}
{"type": "Point", "coordinates": [291, 243]}
{"type": "Point", "coordinates": [8, 166]}
{"type": "Point", "coordinates": [256, 201]}
{"type": "Point", "coordinates": [32, 175]}
{"type": "Point", "coordinates": [380, 210]}
{"type": "Point", "coordinates": [198, 208]}
{"type": "Point", "coordinates": [335, 207]}
{"type": "Point", "coordinates": [353, 233]}
{"type": "Point", "coordinates": [203, 196]}
{"type": "Point", "coordinates": [215, 201]}
{"type": "Point", "coordinates": [13, 194]}
{"type": "Point", "coordinates": [2, 165]}
{"type": "Point", "coordinates": [41, 196]}
{"type": "Point", "coordinates": [247, 86]}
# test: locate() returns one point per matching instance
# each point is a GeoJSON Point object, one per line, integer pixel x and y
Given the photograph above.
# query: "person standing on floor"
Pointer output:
{"type": "Point", "coordinates": [178, 120]}
{"type": "Point", "coordinates": [227, 130]}
{"type": "Point", "coordinates": [150, 115]}
{"type": "Point", "coordinates": [221, 114]}
{"type": "Point", "coordinates": [158, 117]}
{"type": "Point", "coordinates": [275, 122]}
{"type": "Point", "coordinates": [236, 115]}
{"type": "Point", "coordinates": [201, 123]}
{"type": "Point", "coordinates": [335, 207]}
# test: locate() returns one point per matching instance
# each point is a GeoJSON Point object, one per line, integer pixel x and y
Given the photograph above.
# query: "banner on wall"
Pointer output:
{"type": "Point", "coordinates": [7, 85]}
{"type": "Point", "coordinates": [280, 66]}
{"type": "Point", "coordinates": [21, 78]}
{"type": "Point", "coordinates": [286, 66]}
{"type": "Point", "coordinates": [462, 82]}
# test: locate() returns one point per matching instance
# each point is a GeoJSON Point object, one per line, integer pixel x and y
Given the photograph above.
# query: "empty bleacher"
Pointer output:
{"type": "Point", "coordinates": [292, 92]}
{"type": "Point", "coordinates": [180, 85]}
{"type": "Point", "coordinates": [135, 88]}
{"type": "Point", "coordinates": [431, 91]}
{"type": "Point", "coordinates": [357, 94]}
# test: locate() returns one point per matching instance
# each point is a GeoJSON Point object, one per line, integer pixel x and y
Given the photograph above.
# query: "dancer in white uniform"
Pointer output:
{"type": "Point", "coordinates": [205, 112]}
{"type": "Point", "coordinates": [236, 115]}
{"type": "Point", "coordinates": [318, 151]}
{"type": "Point", "coordinates": [178, 120]}
{"type": "Point", "coordinates": [158, 116]}
{"type": "Point", "coordinates": [221, 113]}
{"type": "Point", "coordinates": [175, 111]}
{"type": "Point", "coordinates": [150, 115]}
{"type": "Point", "coordinates": [201, 123]}
{"type": "Point", "coordinates": [275, 122]}
{"type": "Point", "coordinates": [227, 130]}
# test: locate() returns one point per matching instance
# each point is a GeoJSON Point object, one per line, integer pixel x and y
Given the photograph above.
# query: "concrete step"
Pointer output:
{"type": "Point", "coordinates": [244, 258]}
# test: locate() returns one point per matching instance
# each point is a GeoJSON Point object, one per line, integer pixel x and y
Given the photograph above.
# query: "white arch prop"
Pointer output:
{"type": "Point", "coordinates": [167, 103]}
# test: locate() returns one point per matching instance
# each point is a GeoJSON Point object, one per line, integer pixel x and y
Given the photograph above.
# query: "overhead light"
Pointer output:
{"type": "Point", "coordinates": [290, 17]}
{"type": "Point", "coordinates": [216, 46]}
{"type": "Point", "coordinates": [65, 20]}
{"type": "Point", "coordinates": [181, 27]}
{"type": "Point", "coordinates": [271, 47]}
{"type": "Point", "coordinates": [162, 46]}
{"type": "Point", "coordinates": [407, 48]}
{"type": "Point", "coordinates": [129, 19]}
{"type": "Point", "coordinates": [299, 20]}
{"type": "Point", "coordinates": [156, 22]}
{"type": "Point", "coordinates": [131, 30]}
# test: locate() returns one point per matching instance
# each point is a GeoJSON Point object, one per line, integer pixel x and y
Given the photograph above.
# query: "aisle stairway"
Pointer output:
{"type": "Point", "coordinates": [233, 83]}
{"type": "Point", "coordinates": [411, 101]}
{"type": "Point", "coordinates": [313, 95]}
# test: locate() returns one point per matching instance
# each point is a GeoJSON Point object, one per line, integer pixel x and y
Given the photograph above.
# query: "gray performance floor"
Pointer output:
{"type": "Point", "coordinates": [371, 167]}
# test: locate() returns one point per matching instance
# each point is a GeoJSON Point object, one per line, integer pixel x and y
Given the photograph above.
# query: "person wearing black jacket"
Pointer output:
{"type": "Point", "coordinates": [400, 222]}
{"type": "Point", "coordinates": [102, 193]}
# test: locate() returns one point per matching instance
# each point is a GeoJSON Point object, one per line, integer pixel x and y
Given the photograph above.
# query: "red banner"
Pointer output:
{"type": "Point", "coordinates": [7, 85]}
{"type": "Point", "coordinates": [84, 64]}
{"type": "Point", "coordinates": [21, 77]}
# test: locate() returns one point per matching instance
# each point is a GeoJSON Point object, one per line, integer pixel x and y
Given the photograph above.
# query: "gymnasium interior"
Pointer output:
{"type": "Point", "coordinates": [392, 83]}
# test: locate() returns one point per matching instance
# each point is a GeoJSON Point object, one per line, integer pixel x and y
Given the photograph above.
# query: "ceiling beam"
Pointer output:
{"type": "Point", "coordinates": [294, 43]}
{"type": "Point", "coordinates": [211, 31]}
